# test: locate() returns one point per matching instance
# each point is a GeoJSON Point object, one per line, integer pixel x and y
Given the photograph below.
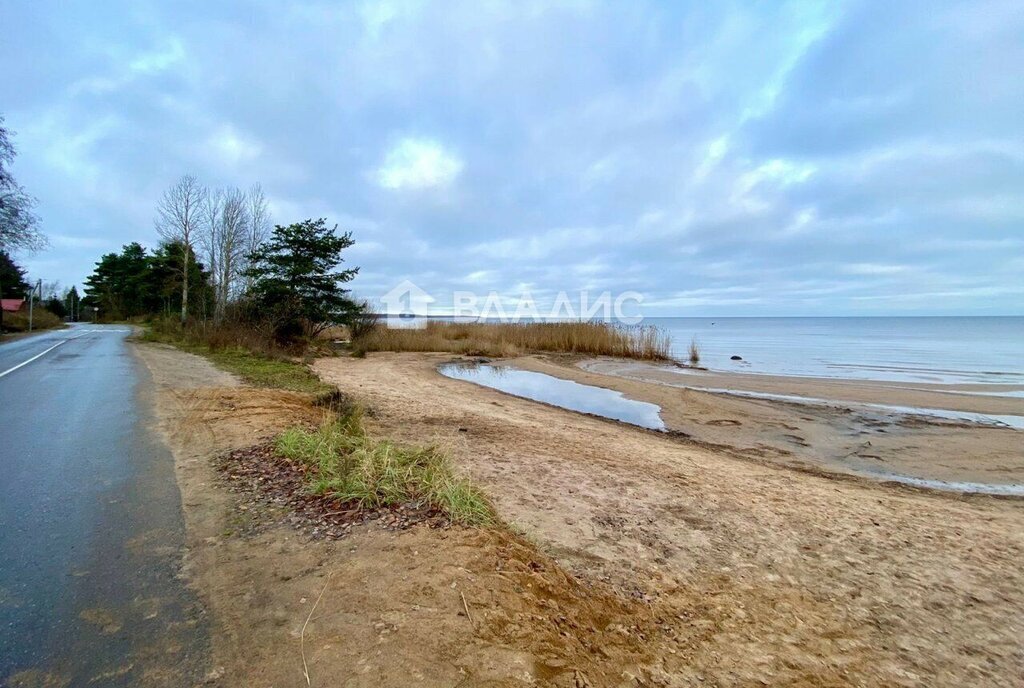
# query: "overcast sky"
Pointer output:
{"type": "Point", "coordinates": [720, 158]}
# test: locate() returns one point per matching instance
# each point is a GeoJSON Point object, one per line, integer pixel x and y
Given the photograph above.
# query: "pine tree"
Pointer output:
{"type": "Point", "coordinates": [296, 280]}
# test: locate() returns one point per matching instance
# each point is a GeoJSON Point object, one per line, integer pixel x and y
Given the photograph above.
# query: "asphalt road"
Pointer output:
{"type": "Point", "coordinates": [91, 530]}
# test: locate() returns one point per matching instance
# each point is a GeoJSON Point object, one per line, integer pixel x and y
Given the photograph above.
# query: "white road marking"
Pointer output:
{"type": "Point", "coordinates": [25, 363]}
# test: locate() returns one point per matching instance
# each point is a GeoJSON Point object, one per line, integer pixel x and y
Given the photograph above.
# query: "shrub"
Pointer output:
{"type": "Point", "coordinates": [42, 319]}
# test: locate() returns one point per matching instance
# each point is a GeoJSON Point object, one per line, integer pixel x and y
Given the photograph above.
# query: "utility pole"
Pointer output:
{"type": "Point", "coordinates": [31, 293]}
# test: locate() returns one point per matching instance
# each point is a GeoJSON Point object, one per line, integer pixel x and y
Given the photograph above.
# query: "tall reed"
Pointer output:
{"type": "Point", "coordinates": [694, 351]}
{"type": "Point", "coordinates": [510, 339]}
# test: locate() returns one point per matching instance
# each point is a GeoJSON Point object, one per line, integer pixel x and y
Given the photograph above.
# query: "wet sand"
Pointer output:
{"type": "Point", "coordinates": [845, 434]}
{"type": "Point", "coordinates": [970, 398]}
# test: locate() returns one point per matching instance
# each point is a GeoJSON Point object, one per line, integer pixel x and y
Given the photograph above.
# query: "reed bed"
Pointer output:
{"type": "Point", "coordinates": [511, 339]}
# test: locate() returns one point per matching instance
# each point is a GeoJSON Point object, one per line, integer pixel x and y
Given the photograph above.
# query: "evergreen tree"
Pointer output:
{"type": "Point", "coordinates": [163, 282]}
{"type": "Point", "coordinates": [131, 283]}
{"type": "Point", "coordinates": [55, 306]}
{"type": "Point", "coordinates": [296, 280]}
{"type": "Point", "coordinates": [71, 303]}
{"type": "Point", "coordinates": [12, 278]}
{"type": "Point", "coordinates": [113, 285]}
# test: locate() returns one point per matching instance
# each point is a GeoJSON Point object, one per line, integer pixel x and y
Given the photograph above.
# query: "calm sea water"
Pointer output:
{"type": "Point", "coordinates": [925, 349]}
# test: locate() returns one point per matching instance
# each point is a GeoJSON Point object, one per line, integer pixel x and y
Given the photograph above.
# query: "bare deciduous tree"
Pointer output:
{"type": "Point", "coordinates": [179, 218]}
{"type": "Point", "coordinates": [224, 237]}
{"type": "Point", "coordinates": [232, 246]}
{"type": "Point", "coordinates": [19, 226]}
{"type": "Point", "coordinates": [259, 223]}
{"type": "Point", "coordinates": [209, 235]}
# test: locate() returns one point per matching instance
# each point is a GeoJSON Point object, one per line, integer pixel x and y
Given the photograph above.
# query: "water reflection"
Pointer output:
{"type": "Point", "coordinates": [558, 392]}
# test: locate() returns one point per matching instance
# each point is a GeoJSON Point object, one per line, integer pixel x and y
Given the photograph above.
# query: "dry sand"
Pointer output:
{"type": "Point", "coordinates": [392, 607]}
{"type": "Point", "coordinates": [656, 562]}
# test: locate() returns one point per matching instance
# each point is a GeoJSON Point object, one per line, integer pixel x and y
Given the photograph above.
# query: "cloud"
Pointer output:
{"type": "Point", "coordinates": [228, 147]}
{"type": "Point", "coordinates": [874, 269]}
{"type": "Point", "coordinates": [79, 242]}
{"type": "Point", "coordinates": [418, 164]}
{"type": "Point", "coordinates": [720, 158]}
{"type": "Point", "coordinates": [160, 59]}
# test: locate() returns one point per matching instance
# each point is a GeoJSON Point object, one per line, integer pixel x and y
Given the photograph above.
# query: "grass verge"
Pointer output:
{"type": "Point", "coordinates": [342, 461]}
{"type": "Point", "coordinates": [256, 369]}
{"type": "Point", "coordinates": [268, 372]}
{"type": "Point", "coordinates": [511, 339]}
{"type": "Point", "coordinates": [346, 464]}
{"type": "Point", "coordinates": [42, 319]}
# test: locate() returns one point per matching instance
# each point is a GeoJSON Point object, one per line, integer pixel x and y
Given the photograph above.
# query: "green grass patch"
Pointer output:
{"type": "Point", "coordinates": [349, 465]}
{"type": "Point", "coordinates": [268, 372]}
{"type": "Point", "coordinates": [256, 369]}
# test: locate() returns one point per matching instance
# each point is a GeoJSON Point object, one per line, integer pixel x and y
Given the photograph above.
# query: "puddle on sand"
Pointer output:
{"type": "Point", "coordinates": [558, 392]}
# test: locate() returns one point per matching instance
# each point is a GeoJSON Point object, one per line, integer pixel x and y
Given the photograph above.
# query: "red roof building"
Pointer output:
{"type": "Point", "coordinates": [11, 305]}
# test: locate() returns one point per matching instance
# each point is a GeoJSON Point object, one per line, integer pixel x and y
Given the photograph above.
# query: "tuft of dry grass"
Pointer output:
{"type": "Point", "coordinates": [335, 333]}
{"type": "Point", "coordinates": [511, 339]}
{"type": "Point", "coordinates": [230, 335]}
{"type": "Point", "coordinates": [347, 464]}
{"type": "Point", "coordinates": [694, 351]}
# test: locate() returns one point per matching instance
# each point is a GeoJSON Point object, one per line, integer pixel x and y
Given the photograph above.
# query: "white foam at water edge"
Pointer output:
{"type": "Point", "coordinates": [1013, 489]}
{"type": "Point", "coordinates": [997, 420]}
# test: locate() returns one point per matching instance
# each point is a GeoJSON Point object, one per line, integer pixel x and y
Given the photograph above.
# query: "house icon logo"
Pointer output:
{"type": "Point", "coordinates": [406, 306]}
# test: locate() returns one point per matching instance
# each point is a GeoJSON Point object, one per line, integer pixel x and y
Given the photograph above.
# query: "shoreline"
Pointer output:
{"type": "Point", "coordinates": [989, 399]}
{"type": "Point", "coordinates": [876, 433]}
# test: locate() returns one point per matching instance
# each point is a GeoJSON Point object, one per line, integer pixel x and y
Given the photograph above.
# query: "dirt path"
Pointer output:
{"type": "Point", "coordinates": [788, 578]}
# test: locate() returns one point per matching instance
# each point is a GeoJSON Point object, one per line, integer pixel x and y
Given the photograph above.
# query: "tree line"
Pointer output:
{"type": "Point", "coordinates": [220, 260]}
{"type": "Point", "coordinates": [136, 283]}
{"type": "Point", "coordinates": [15, 284]}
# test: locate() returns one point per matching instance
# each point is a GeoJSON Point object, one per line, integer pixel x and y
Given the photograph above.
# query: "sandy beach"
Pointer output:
{"type": "Point", "coordinates": [630, 557]}
{"type": "Point", "coordinates": [503, 344]}
{"type": "Point", "coordinates": [813, 578]}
